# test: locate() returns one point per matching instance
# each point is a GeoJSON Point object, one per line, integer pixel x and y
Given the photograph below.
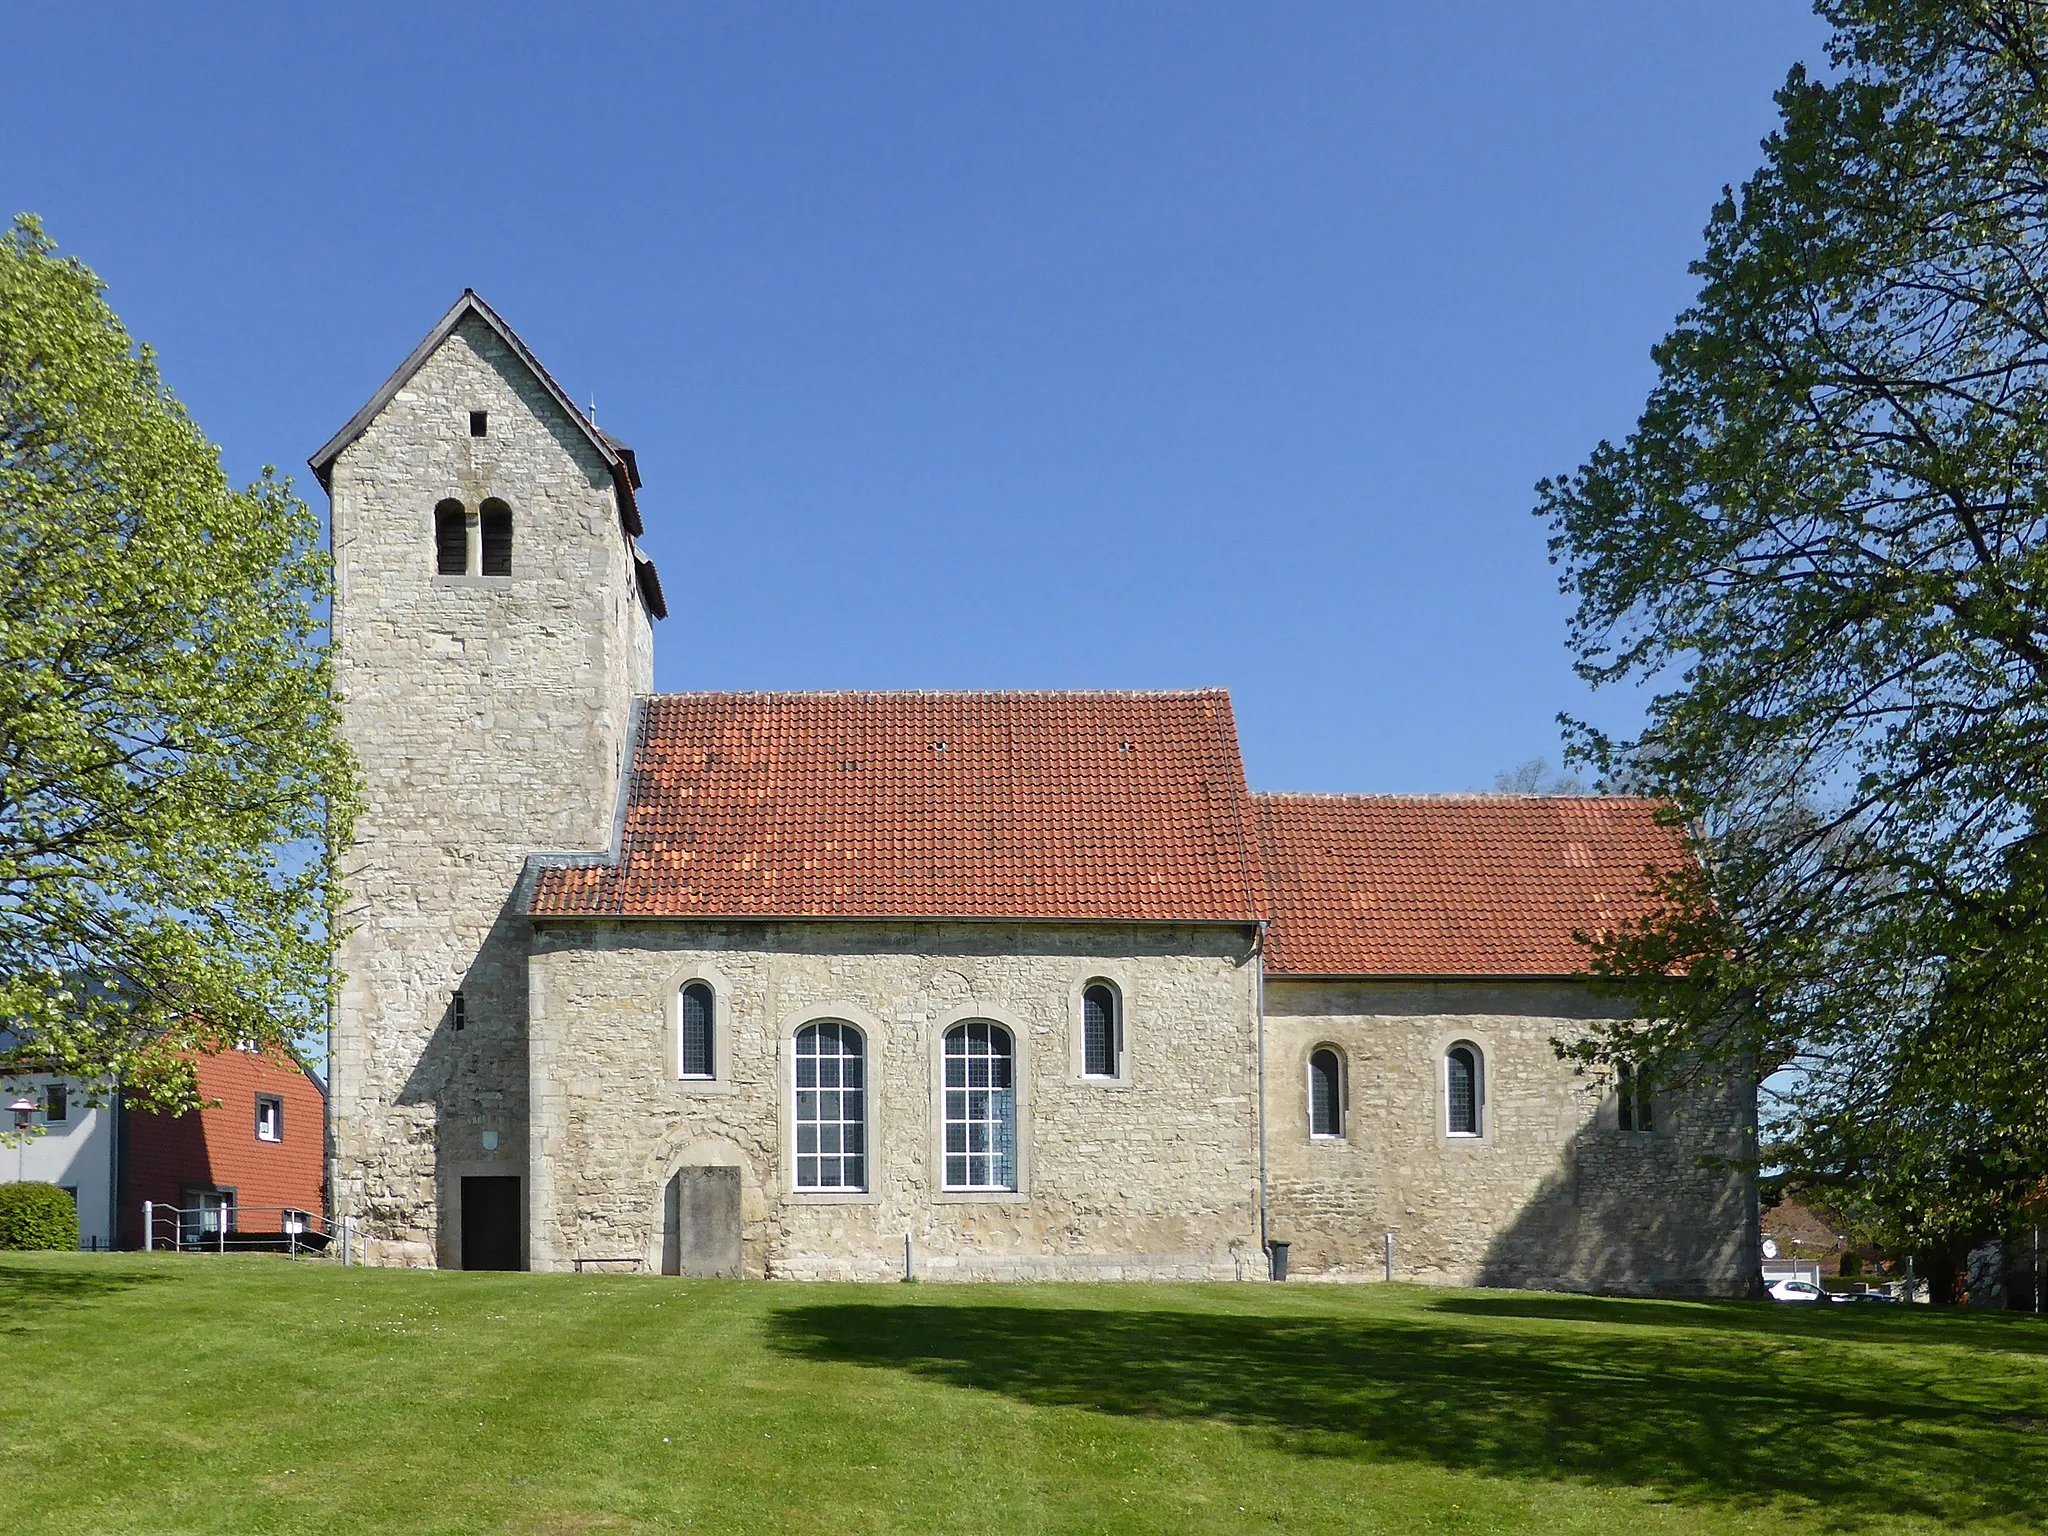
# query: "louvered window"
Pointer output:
{"type": "Point", "coordinates": [831, 1107]}
{"type": "Point", "coordinates": [696, 1027]}
{"type": "Point", "coordinates": [1325, 1094]}
{"type": "Point", "coordinates": [1464, 1090]}
{"type": "Point", "coordinates": [451, 539]}
{"type": "Point", "coordinates": [1101, 1031]}
{"type": "Point", "coordinates": [981, 1107]}
{"type": "Point", "coordinates": [495, 527]}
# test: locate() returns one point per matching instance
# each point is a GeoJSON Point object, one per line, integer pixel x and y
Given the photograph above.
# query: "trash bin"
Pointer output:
{"type": "Point", "coordinates": [1277, 1250]}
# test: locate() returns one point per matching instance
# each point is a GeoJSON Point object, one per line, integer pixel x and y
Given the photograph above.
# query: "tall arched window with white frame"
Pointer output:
{"type": "Point", "coordinates": [831, 1107]}
{"type": "Point", "coordinates": [980, 1107]}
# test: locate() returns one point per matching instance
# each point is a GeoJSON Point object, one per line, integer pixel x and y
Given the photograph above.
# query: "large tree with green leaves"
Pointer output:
{"type": "Point", "coordinates": [171, 776]}
{"type": "Point", "coordinates": [1824, 553]}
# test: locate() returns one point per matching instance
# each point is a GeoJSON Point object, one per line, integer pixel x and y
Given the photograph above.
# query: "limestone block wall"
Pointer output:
{"type": "Point", "coordinates": [489, 714]}
{"type": "Point", "coordinates": [1553, 1195]}
{"type": "Point", "coordinates": [1154, 1176]}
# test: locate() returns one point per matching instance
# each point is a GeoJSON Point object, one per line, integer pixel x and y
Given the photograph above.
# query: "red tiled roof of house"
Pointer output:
{"type": "Point", "coordinates": [1453, 885]}
{"type": "Point", "coordinates": [1116, 806]}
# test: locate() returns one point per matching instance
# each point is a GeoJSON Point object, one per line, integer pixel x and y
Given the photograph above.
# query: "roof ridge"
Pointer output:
{"type": "Point", "coordinates": [944, 693]}
{"type": "Point", "coordinates": [1424, 797]}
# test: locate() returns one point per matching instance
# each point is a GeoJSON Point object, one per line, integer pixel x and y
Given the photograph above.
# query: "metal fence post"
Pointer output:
{"type": "Point", "coordinates": [1390, 1256]}
{"type": "Point", "coordinates": [149, 1226]}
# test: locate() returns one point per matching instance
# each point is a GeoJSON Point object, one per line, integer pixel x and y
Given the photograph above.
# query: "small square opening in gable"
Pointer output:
{"type": "Point", "coordinates": [479, 423]}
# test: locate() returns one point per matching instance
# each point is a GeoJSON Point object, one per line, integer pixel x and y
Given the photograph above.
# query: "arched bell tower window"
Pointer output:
{"type": "Point", "coordinates": [451, 539]}
{"type": "Point", "coordinates": [496, 520]}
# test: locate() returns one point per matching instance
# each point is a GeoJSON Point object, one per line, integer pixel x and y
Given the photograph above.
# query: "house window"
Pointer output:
{"type": "Point", "coordinates": [458, 1009]}
{"type": "Point", "coordinates": [495, 519]}
{"type": "Point", "coordinates": [451, 539]}
{"type": "Point", "coordinates": [1464, 1089]}
{"type": "Point", "coordinates": [831, 1107]}
{"type": "Point", "coordinates": [981, 1107]}
{"type": "Point", "coordinates": [697, 1013]}
{"type": "Point", "coordinates": [205, 1216]}
{"type": "Point", "coordinates": [56, 1103]}
{"type": "Point", "coordinates": [1101, 1031]}
{"type": "Point", "coordinates": [1325, 1093]}
{"type": "Point", "coordinates": [479, 423]}
{"type": "Point", "coordinates": [269, 1117]}
{"type": "Point", "coordinates": [1638, 1113]}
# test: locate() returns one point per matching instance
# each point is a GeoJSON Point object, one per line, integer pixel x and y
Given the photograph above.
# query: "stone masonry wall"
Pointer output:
{"type": "Point", "coordinates": [1552, 1196]}
{"type": "Point", "coordinates": [1155, 1176]}
{"type": "Point", "coordinates": [489, 714]}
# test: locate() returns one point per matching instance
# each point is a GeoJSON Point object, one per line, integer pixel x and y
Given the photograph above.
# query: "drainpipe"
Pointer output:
{"type": "Point", "coordinates": [1259, 1022]}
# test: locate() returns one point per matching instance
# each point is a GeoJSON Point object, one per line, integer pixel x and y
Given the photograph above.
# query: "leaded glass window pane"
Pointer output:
{"type": "Point", "coordinates": [1462, 1079]}
{"type": "Point", "coordinates": [697, 1008]}
{"type": "Point", "coordinates": [1325, 1095]}
{"type": "Point", "coordinates": [831, 1108]}
{"type": "Point", "coordinates": [1099, 1032]}
{"type": "Point", "coordinates": [981, 1107]}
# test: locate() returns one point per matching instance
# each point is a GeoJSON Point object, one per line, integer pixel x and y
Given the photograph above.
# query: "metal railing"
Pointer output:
{"type": "Point", "coordinates": [217, 1226]}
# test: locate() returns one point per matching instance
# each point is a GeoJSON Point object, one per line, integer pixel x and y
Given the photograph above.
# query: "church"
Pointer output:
{"type": "Point", "coordinates": [999, 985]}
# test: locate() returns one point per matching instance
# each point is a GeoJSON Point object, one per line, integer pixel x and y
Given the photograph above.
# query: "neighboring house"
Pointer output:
{"type": "Point", "coordinates": [247, 1164]}
{"type": "Point", "coordinates": [72, 1145]}
{"type": "Point", "coordinates": [986, 984]}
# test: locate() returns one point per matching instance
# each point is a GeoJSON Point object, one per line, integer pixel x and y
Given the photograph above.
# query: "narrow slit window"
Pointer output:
{"type": "Point", "coordinates": [1101, 1031]}
{"type": "Point", "coordinates": [696, 1024]}
{"type": "Point", "coordinates": [1464, 1090]}
{"type": "Point", "coordinates": [1638, 1111]}
{"type": "Point", "coordinates": [451, 539]}
{"type": "Point", "coordinates": [1325, 1093]}
{"type": "Point", "coordinates": [496, 520]}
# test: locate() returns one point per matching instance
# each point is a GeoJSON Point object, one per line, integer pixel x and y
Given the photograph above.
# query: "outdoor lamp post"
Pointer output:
{"type": "Point", "coordinates": [22, 1108]}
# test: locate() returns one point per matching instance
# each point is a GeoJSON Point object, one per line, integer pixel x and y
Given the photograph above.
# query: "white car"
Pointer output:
{"type": "Point", "coordinates": [1796, 1290]}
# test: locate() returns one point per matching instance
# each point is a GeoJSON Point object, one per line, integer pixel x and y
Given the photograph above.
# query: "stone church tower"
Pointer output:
{"type": "Point", "coordinates": [492, 631]}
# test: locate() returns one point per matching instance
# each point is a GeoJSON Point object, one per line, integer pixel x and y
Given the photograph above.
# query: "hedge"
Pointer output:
{"type": "Point", "coordinates": [37, 1216]}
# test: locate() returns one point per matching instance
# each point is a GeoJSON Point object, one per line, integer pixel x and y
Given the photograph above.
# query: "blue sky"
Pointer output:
{"type": "Point", "coordinates": [970, 345]}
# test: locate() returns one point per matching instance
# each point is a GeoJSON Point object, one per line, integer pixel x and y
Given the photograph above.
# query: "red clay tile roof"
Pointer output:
{"type": "Point", "coordinates": [1454, 885]}
{"type": "Point", "coordinates": [1119, 806]}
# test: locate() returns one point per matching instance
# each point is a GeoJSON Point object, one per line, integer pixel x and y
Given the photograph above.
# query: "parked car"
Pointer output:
{"type": "Point", "coordinates": [1796, 1290]}
{"type": "Point", "coordinates": [1886, 1298]}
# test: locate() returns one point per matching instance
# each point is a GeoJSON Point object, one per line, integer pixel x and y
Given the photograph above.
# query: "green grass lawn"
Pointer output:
{"type": "Point", "coordinates": [144, 1393]}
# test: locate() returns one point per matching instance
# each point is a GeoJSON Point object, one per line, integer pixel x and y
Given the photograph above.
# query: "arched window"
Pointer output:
{"type": "Point", "coordinates": [494, 521]}
{"type": "Point", "coordinates": [1102, 1043]}
{"type": "Point", "coordinates": [1638, 1112]}
{"type": "Point", "coordinates": [451, 539]}
{"type": "Point", "coordinates": [1464, 1089]}
{"type": "Point", "coordinates": [696, 1023]}
{"type": "Point", "coordinates": [1325, 1093]}
{"type": "Point", "coordinates": [981, 1107]}
{"type": "Point", "coordinates": [831, 1107]}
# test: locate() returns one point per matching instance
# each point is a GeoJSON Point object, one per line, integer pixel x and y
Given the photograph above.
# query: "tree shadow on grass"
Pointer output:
{"type": "Point", "coordinates": [1692, 1416]}
{"type": "Point", "coordinates": [29, 1288]}
{"type": "Point", "coordinates": [1960, 1327]}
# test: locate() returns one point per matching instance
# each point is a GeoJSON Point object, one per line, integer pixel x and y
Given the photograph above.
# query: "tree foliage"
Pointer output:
{"type": "Point", "coordinates": [1822, 551]}
{"type": "Point", "coordinates": [170, 770]}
